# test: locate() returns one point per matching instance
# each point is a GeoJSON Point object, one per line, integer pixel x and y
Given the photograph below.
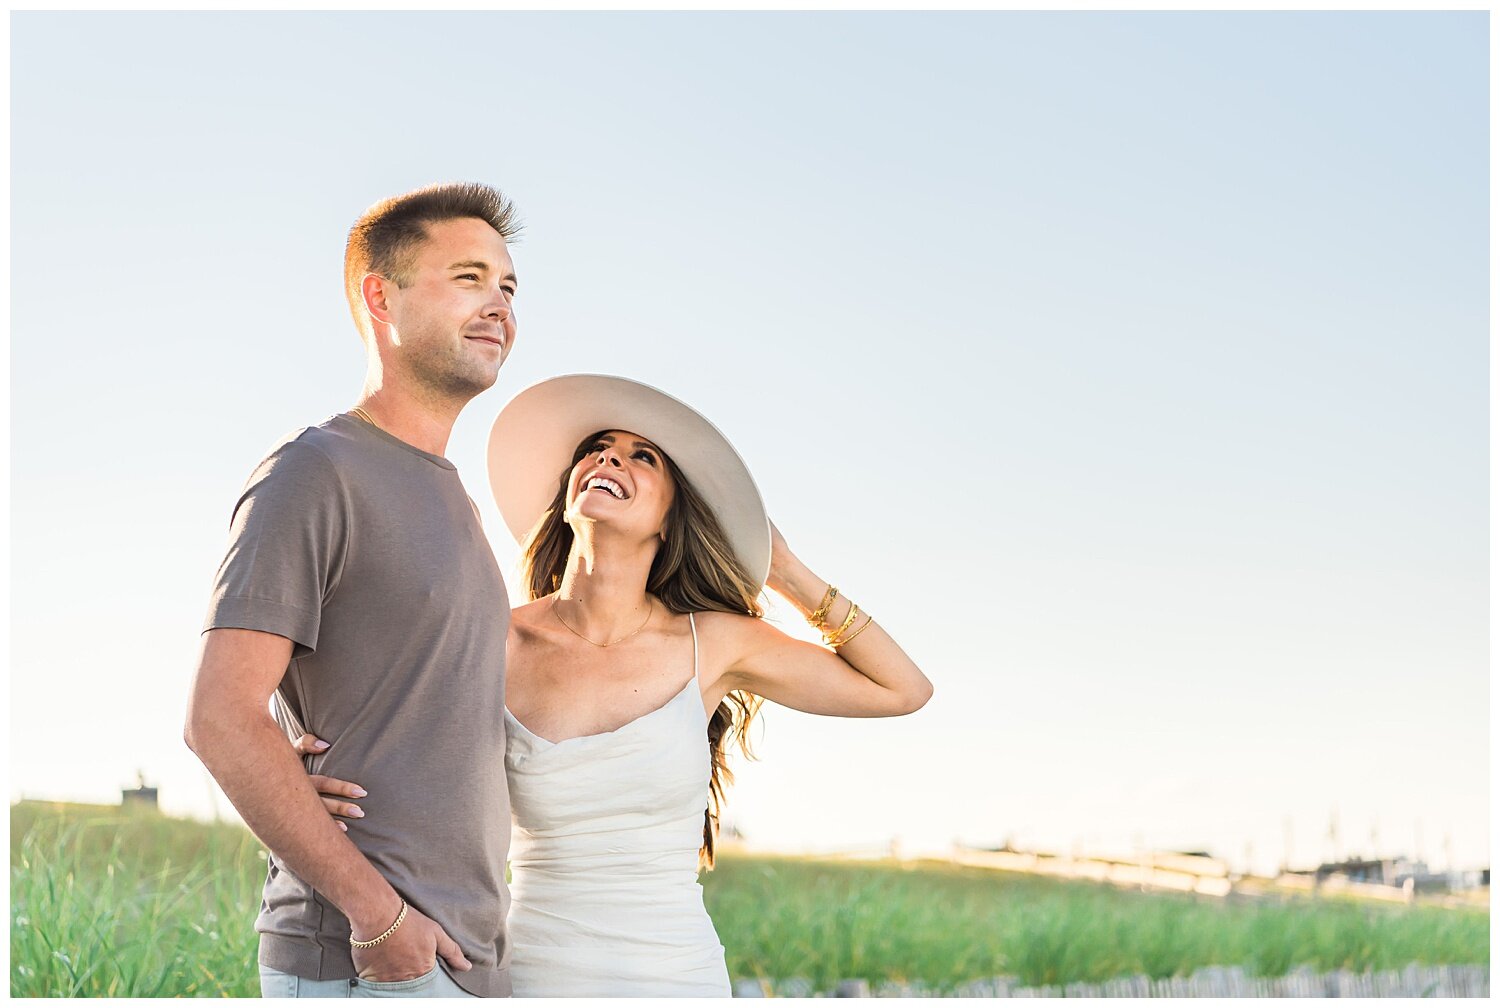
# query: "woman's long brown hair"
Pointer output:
{"type": "Point", "coordinates": [695, 570]}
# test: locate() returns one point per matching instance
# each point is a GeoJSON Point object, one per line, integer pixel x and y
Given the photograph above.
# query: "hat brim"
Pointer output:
{"type": "Point", "coordinates": [536, 433]}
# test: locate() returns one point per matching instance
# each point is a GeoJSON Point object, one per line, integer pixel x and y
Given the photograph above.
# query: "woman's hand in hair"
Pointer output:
{"type": "Point", "coordinates": [870, 677]}
{"type": "Point", "coordinates": [784, 563]}
{"type": "Point", "coordinates": [791, 578]}
{"type": "Point", "coordinates": [329, 787]}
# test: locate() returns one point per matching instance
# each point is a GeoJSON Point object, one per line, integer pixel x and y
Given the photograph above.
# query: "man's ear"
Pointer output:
{"type": "Point", "coordinates": [376, 290]}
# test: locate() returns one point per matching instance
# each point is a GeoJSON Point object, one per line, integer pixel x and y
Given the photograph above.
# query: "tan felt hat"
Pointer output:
{"type": "Point", "coordinates": [536, 433]}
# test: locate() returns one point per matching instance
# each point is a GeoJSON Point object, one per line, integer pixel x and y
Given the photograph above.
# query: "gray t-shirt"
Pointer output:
{"type": "Point", "coordinates": [367, 553]}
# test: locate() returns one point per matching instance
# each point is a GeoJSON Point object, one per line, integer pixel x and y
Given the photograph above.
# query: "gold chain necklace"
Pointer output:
{"type": "Point", "coordinates": [649, 611]}
{"type": "Point", "coordinates": [366, 418]}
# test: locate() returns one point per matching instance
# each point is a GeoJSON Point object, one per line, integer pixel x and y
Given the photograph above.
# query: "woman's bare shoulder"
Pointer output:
{"type": "Point", "coordinates": [732, 633]}
{"type": "Point", "coordinates": [713, 621]}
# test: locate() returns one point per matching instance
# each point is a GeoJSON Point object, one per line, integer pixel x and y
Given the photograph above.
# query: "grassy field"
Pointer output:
{"type": "Point", "coordinates": [108, 904]}
{"type": "Point", "coordinates": [945, 925]}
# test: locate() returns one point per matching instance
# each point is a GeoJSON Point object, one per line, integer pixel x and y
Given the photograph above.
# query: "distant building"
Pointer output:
{"type": "Point", "coordinates": [1393, 871]}
{"type": "Point", "coordinates": [1474, 878]}
{"type": "Point", "coordinates": [1380, 871]}
{"type": "Point", "coordinates": [139, 796]}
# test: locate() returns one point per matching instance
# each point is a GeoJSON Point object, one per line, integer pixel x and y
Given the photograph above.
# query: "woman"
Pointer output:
{"type": "Point", "coordinates": [642, 634]}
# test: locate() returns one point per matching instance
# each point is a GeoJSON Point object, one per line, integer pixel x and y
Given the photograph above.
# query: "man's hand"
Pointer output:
{"type": "Point", "coordinates": [411, 951]}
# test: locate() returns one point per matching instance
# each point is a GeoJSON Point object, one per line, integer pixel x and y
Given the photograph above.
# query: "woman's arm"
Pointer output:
{"type": "Point", "coordinates": [870, 676]}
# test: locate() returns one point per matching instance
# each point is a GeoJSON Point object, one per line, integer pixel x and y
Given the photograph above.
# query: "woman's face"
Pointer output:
{"type": "Point", "coordinates": [621, 480]}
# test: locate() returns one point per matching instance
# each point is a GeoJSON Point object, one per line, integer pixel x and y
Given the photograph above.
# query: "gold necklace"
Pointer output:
{"type": "Point", "coordinates": [649, 611]}
{"type": "Point", "coordinates": [366, 418]}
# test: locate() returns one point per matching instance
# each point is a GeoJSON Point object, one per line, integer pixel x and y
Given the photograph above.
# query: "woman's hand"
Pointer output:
{"type": "Point", "coordinates": [784, 563]}
{"type": "Point", "coordinates": [871, 677]}
{"type": "Point", "coordinates": [309, 745]}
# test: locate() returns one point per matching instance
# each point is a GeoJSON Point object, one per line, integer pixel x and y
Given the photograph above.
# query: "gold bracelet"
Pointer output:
{"type": "Point", "coordinates": [388, 932]}
{"type": "Point", "coordinates": [820, 614]}
{"type": "Point", "coordinates": [865, 626]}
{"type": "Point", "coordinates": [848, 622]}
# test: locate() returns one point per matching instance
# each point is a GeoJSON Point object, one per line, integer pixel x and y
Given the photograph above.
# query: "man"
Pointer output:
{"type": "Point", "coordinates": [359, 582]}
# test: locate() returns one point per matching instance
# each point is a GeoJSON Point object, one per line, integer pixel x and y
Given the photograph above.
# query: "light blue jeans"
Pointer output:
{"type": "Point", "coordinates": [434, 983]}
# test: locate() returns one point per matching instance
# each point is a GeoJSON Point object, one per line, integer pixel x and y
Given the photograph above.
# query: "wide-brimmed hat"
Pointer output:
{"type": "Point", "coordinates": [536, 433]}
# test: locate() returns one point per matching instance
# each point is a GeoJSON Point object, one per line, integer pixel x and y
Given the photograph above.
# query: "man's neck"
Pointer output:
{"type": "Point", "coordinates": [419, 423]}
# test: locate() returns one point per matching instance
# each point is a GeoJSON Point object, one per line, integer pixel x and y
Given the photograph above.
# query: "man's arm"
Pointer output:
{"type": "Point", "coordinates": [230, 728]}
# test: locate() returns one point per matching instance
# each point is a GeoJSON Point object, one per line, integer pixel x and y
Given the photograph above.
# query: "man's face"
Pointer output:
{"type": "Point", "coordinates": [453, 325]}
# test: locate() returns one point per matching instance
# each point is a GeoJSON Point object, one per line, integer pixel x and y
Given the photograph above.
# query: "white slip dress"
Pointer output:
{"type": "Point", "coordinates": [605, 900]}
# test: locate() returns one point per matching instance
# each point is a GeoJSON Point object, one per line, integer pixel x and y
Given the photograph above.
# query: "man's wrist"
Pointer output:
{"type": "Point", "coordinates": [400, 917]}
{"type": "Point", "coordinates": [374, 917]}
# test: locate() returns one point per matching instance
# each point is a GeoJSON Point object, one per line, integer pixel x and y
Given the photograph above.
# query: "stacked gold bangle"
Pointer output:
{"type": "Point", "coordinates": [388, 932]}
{"type": "Point", "coordinates": [820, 615]}
{"type": "Point", "coordinates": [848, 622]}
{"type": "Point", "coordinates": [836, 644]}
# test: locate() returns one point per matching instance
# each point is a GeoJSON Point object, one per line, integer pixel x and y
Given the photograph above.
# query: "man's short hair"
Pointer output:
{"type": "Point", "coordinates": [387, 237]}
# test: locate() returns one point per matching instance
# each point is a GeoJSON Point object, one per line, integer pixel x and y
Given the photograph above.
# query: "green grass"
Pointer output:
{"type": "Point", "coordinates": [111, 904]}
{"type": "Point", "coordinates": [944, 925]}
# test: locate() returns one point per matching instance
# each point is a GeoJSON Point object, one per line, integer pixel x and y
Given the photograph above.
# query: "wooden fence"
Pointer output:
{"type": "Point", "coordinates": [1205, 876]}
{"type": "Point", "coordinates": [1211, 981]}
{"type": "Point", "coordinates": [1183, 873]}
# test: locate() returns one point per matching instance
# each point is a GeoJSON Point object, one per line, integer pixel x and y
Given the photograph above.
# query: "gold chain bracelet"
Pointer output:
{"type": "Point", "coordinates": [388, 932]}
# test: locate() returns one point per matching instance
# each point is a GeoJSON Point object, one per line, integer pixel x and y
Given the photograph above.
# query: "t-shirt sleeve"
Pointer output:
{"type": "Point", "coordinates": [287, 542]}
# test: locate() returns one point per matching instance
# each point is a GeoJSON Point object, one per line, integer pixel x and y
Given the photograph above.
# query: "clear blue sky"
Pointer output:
{"type": "Point", "coordinates": [1131, 368]}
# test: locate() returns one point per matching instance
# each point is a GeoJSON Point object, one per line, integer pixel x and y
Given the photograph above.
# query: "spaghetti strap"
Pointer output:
{"type": "Point", "coordinates": [694, 624]}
